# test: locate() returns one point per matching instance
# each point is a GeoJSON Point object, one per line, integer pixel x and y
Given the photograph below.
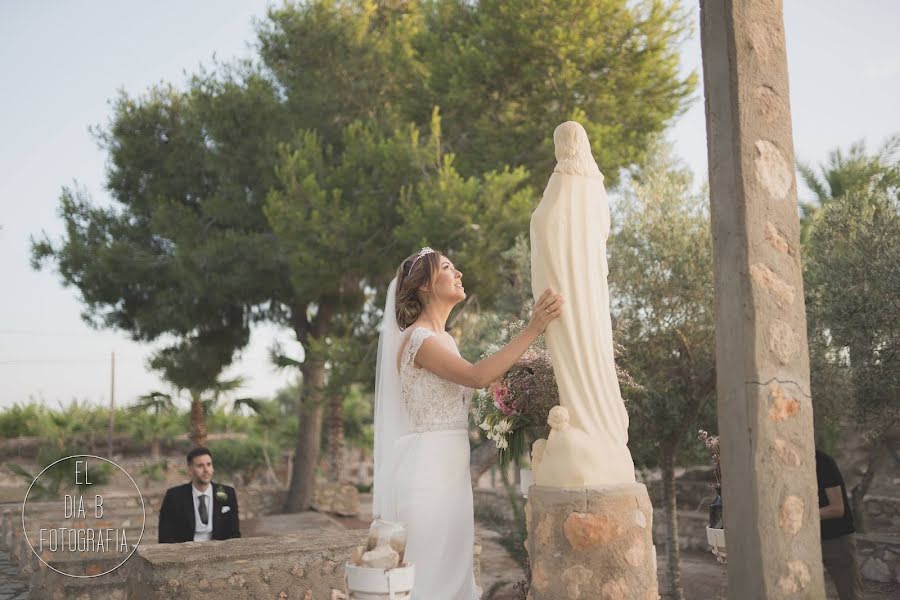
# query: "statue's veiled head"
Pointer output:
{"type": "Point", "coordinates": [573, 150]}
{"type": "Point", "coordinates": [571, 141]}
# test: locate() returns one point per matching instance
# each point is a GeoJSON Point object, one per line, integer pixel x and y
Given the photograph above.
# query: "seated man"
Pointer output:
{"type": "Point", "coordinates": [201, 510]}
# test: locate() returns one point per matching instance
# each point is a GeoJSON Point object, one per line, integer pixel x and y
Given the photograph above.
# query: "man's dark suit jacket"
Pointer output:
{"type": "Point", "coordinates": [176, 515]}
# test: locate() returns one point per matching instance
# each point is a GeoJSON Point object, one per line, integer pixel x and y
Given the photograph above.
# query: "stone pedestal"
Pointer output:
{"type": "Point", "coordinates": [593, 543]}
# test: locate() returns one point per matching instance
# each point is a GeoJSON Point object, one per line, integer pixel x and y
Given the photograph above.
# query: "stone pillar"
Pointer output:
{"type": "Point", "coordinates": [762, 362]}
{"type": "Point", "coordinates": [591, 544]}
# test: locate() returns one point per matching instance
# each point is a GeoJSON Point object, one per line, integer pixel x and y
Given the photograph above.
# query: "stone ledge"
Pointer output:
{"type": "Point", "coordinates": [305, 566]}
{"type": "Point", "coordinates": [107, 587]}
{"type": "Point", "coordinates": [47, 583]}
{"type": "Point", "coordinates": [90, 589]}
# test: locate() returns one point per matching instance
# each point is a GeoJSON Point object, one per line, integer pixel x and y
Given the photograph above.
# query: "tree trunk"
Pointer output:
{"type": "Point", "coordinates": [336, 437]}
{"type": "Point", "coordinates": [198, 421]}
{"type": "Point", "coordinates": [309, 439]}
{"type": "Point", "coordinates": [859, 491]}
{"type": "Point", "coordinates": [483, 457]}
{"type": "Point", "coordinates": [270, 472]}
{"type": "Point", "coordinates": [673, 553]}
{"type": "Point", "coordinates": [154, 449]}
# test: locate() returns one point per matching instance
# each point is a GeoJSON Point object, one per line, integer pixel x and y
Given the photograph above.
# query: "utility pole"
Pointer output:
{"type": "Point", "coordinates": [112, 405]}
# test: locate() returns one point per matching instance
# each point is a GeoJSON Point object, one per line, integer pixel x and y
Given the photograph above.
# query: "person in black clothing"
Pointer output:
{"type": "Point", "coordinates": [201, 510]}
{"type": "Point", "coordinates": [838, 533]}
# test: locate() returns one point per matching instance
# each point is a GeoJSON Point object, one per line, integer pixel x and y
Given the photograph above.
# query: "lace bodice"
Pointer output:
{"type": "Point", "coordinates": [433, 403]}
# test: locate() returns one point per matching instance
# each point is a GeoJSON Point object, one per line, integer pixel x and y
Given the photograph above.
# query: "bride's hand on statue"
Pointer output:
{"type": "Point", "coordinates": [547, 308]}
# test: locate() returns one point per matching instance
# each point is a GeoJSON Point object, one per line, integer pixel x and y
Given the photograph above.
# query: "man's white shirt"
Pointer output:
{"type": "Point", "coordinates": [202, 533]}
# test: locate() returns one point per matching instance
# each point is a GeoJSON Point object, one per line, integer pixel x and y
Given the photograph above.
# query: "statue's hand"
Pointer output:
{"type": "Point", "coordinates": [547, 308]}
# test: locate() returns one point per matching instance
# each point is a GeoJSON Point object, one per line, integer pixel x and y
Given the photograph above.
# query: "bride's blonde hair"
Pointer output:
{"type": "Point", "coordinates": [415, 271]}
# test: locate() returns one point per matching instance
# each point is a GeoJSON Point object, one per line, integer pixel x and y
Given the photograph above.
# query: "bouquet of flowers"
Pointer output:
{"type": "Point", "coordinates": [513, 411]}
{"type": "Point", "coordinates": [517, 404]}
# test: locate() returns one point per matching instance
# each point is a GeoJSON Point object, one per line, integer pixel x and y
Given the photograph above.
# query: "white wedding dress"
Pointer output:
{"type": "Point", "coordinates": [432, 489]}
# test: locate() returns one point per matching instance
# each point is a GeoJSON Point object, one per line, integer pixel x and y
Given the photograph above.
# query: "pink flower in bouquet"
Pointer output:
{"type": "Point", "coordinates": [500, 393]}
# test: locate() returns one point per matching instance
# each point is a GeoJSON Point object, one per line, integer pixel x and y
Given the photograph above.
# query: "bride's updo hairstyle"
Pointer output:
{"type": "Point", "coordinates": [414, 272]}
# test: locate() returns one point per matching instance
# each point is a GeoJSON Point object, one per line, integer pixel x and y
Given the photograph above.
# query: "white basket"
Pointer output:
{"type": "Point", "coordinates": [364, 583]}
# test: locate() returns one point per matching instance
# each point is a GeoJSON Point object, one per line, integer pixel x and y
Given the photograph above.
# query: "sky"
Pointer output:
{"type": "Point", "coordinates": [63, 61]}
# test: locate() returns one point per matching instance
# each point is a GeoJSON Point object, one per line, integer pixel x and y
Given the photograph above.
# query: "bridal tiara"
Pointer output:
{"type": "Point", "coordinates": [422, 252]}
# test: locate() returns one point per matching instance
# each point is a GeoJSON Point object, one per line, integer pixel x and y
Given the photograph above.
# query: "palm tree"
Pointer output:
{"type": "Point", "coordinates": [203, 399]}
{"type": "Point", "coordinates": [269, 415]}
{"type": "Point", "coordinates": [853, 170]}
{"type": "Point", "coordinates": [195, 365]}
{"type": "Point", "coordinates": [156, 404]}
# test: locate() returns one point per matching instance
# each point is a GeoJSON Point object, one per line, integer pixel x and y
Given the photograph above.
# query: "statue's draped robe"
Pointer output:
{"type": "Point", "coordinates": [569, 230]}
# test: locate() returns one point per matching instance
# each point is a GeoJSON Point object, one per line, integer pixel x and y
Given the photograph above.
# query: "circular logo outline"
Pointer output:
{"type": "Point", "coordinates": [143, 512]}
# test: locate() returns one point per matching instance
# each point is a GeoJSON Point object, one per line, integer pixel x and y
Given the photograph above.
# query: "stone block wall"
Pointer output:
{"type": "Point", "coordinates": [879, 557]}
{"type": "Point", "coordinates": [882, 514]}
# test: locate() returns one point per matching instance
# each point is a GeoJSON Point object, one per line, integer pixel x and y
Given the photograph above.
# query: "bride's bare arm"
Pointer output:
{"type": "Point", "coordinates": [445, 363]}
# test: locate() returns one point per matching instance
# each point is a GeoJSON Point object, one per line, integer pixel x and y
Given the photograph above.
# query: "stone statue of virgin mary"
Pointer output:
{"type": "Point", "coordinates": [588, 442]}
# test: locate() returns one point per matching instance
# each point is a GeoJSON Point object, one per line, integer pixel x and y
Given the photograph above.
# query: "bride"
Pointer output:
{"type": "Point", "coordinates": [423, 392]}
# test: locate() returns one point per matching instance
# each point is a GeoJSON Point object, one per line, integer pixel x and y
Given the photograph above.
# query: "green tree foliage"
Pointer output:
{"type": "Point", "coordinates": [507, 72]}
{"type": "Point", "coordinates": [661, 280]}
{"type": "Point", "coordinates": [851, 256]}
{"type": "Point", "coordinates": [54, 478]}
{"type": "Point", "coordinates": [244, 458]}
{"type": "Point", "coordinates": [852, 282]}
{"type": "Point", "coordinates": [335, 62]}
{"type": "Point", "coordinates": [853, 275]}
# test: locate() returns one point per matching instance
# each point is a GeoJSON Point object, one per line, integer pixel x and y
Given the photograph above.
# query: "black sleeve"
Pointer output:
{"type": "Point", "coordinates": [828, 474]}
{"type": "Point", "coordinates": [167, 520]}
{"type": "Point", "coordinates": [236, 519]}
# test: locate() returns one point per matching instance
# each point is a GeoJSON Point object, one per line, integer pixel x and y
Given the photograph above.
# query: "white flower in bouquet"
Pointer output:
{"type": "Point", "coordinates": [503, 426]}
{"type": "Point", "coordinates": [502, 444]}
{"type": "Point", "coordinates": [485, 425]}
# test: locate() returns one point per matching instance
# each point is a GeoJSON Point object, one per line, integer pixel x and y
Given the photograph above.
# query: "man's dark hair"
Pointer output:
{"type": "Point", "coordinates": [198, 451]}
